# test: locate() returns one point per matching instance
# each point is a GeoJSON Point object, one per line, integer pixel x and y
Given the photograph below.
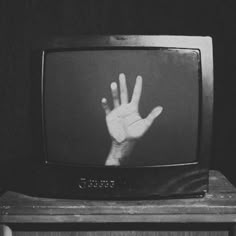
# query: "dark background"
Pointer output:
{"type": "Point", "coordinates": [23, 22]}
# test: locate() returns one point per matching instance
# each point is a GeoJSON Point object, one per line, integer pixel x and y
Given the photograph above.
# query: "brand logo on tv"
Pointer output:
{"type": "Point", "coordinates": [85, 183]}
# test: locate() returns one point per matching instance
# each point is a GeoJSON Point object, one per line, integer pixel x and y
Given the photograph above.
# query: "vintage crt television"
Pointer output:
{"type": "Point", "coordinates": [72, 138]}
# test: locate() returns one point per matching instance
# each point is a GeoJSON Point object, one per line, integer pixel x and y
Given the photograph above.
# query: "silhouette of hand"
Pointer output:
{"type": "Point", "coordinates": [124, 121]}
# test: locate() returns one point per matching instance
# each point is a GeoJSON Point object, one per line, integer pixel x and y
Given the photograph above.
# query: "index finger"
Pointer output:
{"type": "Point", "coordinates": [137, 90]}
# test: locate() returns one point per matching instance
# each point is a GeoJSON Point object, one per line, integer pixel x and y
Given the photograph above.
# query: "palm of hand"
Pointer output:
{"type": "Point", "coordinates": [125, 123]}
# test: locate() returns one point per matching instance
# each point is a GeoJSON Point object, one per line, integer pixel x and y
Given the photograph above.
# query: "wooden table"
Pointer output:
{"type": "Point", "coordinates": [215, 214]}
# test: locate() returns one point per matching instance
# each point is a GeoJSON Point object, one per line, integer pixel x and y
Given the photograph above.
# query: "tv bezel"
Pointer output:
{"type": "Point", "coordinates": [199, 169]}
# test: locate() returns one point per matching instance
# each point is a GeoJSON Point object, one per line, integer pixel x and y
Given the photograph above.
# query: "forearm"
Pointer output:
{"type": "Point", "coordinates": [118, 152]}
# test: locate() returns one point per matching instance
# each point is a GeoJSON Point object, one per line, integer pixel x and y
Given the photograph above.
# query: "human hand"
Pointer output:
{"type": "Point", "coordinates": [125, 125]}
{"type": "Point", "coordinates": [124, 121]}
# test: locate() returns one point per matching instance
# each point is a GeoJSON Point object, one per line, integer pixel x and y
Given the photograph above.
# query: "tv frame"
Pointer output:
{"type": "Point", "coordinates": [109, 182]}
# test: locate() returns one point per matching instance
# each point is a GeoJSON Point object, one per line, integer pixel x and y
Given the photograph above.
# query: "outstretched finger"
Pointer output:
{"type": "Point", "coordinates": [114, 92]}
{"type": "Point", "coordinates": [105, 106]}
{"type": "Point", "coordinates": [123, 89]}
{"type": "Point", "coordinates": [153, 115]}
{"type": "Point", "coordinates": [137, 90]}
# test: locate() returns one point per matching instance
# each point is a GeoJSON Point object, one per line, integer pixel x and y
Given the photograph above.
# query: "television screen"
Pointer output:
{"type": "Point", "coordinates": [77, 129]}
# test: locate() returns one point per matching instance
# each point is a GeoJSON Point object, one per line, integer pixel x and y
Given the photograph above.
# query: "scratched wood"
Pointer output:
{"type": "Point", "coordinates": [123, 233]}
{"type": "Point", "coordinates": [219, 205]}
{"type": "Point", "coordinates": [121, 229]}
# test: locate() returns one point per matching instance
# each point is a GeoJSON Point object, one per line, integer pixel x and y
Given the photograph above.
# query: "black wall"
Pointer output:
{"type": "Point", "coordinates": [23, 22]}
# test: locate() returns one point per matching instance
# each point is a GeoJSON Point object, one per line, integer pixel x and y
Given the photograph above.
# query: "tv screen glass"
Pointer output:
{"type": "Point", "coordinates": [75, 120]}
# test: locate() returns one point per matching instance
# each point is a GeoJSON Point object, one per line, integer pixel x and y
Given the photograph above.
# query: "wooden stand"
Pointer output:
{"type": "Point", "coordinates": [215, 214]}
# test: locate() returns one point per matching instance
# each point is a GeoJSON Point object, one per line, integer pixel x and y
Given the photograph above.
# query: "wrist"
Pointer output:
{"type": "Point", "coordinates": [119, 152]}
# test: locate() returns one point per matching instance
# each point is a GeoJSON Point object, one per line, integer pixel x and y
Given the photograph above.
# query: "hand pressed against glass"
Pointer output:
{"type": "Point", "coordinates": [125, 125]}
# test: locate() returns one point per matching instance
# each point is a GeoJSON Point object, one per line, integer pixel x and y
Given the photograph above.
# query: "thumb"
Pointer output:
{"type": "Point", "coordinates": [153, 115]}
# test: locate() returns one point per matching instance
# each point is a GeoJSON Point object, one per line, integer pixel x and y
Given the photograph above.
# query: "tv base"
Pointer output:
{"type": "Point", "coordinates": [69, 182]}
